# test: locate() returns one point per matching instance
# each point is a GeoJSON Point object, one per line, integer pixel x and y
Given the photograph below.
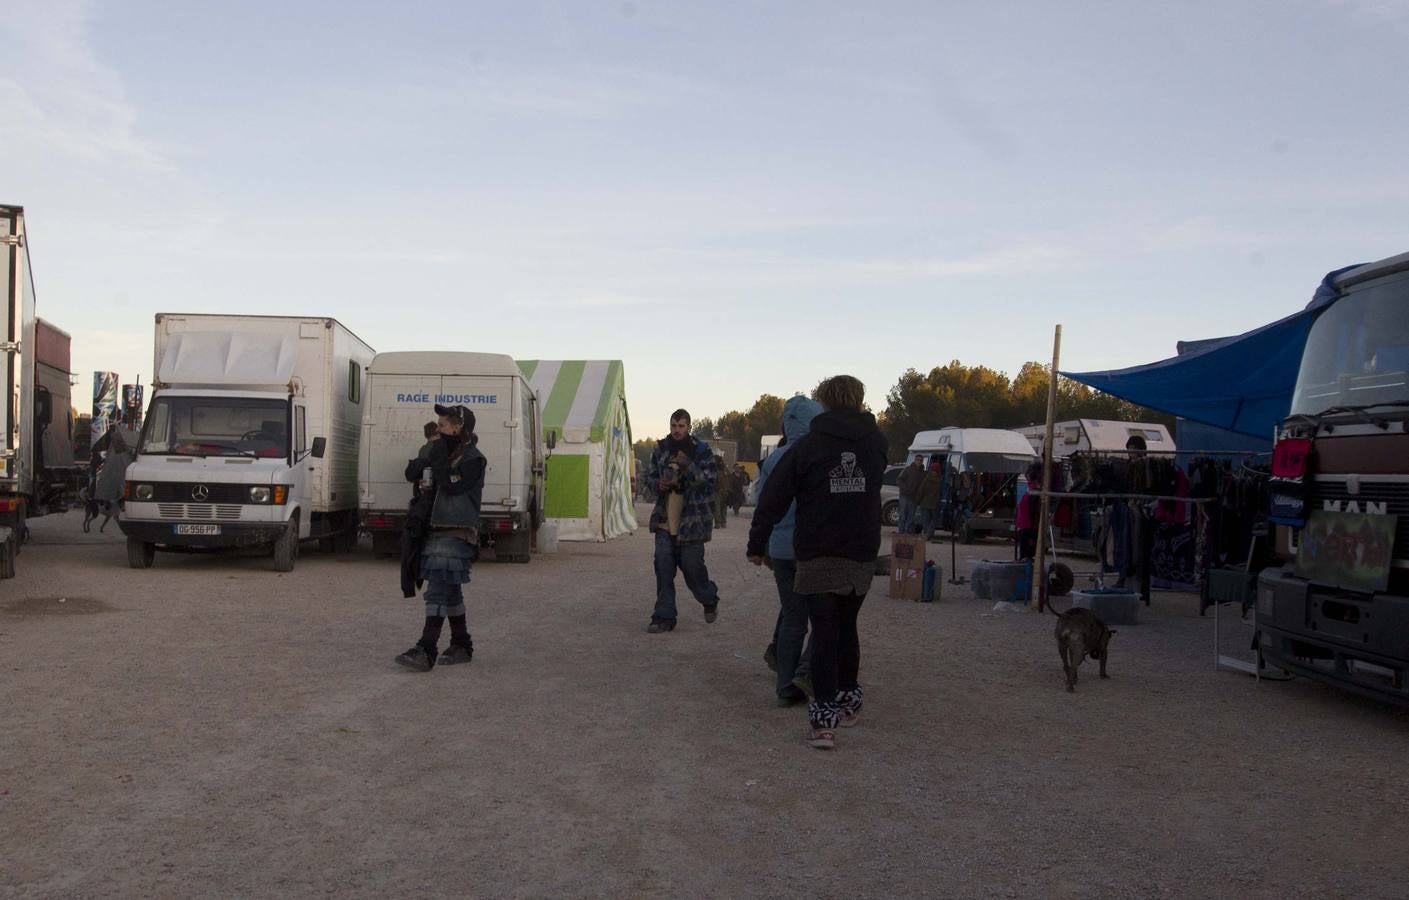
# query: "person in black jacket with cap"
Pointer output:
{"type": "Point", "coordinates": [451, 540]}
{"type": "Point", "coordinates": [834, 475]}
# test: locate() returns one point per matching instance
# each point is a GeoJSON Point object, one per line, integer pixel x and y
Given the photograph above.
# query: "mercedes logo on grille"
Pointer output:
{"type": "Point", "coordinates": [200, 493]}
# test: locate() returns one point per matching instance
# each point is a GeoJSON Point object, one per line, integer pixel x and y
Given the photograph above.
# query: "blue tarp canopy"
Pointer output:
{"type": "Point", "coordinates": [1243, 384]}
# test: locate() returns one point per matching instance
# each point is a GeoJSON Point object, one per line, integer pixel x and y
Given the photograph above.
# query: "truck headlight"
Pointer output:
{"type": "Point", "coordinates": [259, 495]}
{"type": "Point", "coordinates": [141, 491]}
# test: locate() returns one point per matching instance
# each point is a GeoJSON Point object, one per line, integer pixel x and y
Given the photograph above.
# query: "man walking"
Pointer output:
{"type": "Point", "coordinates": [909, 484]}
{"type": "Point", "coordinates": [683, 471]}
{"type": "Point", "coordinates": [721, 492]}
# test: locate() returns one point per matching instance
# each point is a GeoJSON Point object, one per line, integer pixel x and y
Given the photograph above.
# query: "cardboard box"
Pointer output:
{"type": "Point", "coordinates": [905, 584]}
{"type": "Point", "coordinates": [908, 551]}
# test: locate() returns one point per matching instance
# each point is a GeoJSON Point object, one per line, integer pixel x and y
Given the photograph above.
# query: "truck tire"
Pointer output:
{"type": "Point", "coordinates": [386, 543]}
{"type": "Point", "coordinates": [514, 548]}
{"type": "Point", "coordinates": [140, 554]}
{"type": "Point", "coordinates": [286, 548]}
{"type": "Point", "coordinates": [9, 549]}
{"type": "Point", "coordinates": [890, 514]}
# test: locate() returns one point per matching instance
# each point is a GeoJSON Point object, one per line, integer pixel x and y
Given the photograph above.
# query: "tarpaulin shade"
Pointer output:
{"type": "Point", "coordinates": [1243, 384]}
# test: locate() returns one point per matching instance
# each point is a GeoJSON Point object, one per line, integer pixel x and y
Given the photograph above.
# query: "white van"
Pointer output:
{"type": "Point", "coordinates": [402, 390]}
{"type": "Point", "coordinates": [250, 439]}
{"type": "Point", "coordinates": [994, 461]}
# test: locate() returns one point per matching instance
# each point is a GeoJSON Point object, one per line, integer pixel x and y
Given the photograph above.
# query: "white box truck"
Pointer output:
{"type": "Point", "coordinates": [402, 390]}
{"type": "Point", "coordinates": [251, 438]}
{"type": "Point", "coordinates": [38, 474]}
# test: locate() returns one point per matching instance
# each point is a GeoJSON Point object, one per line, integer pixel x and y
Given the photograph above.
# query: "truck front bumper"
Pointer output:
{"type": "Point", "coordinates": [232, 534]}
{"type": "Point", "coordinates": [1359, 642]}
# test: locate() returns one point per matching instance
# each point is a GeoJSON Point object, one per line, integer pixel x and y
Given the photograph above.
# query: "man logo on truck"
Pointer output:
{"type": "Point", "coordinates": [1372, 508]}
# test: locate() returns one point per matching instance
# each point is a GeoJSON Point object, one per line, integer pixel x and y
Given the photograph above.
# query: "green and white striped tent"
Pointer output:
{"type": "Point", "coordinates": [588, 488]}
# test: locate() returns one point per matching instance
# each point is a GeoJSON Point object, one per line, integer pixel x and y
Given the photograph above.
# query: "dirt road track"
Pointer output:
{"type": "Point", "coordinates": [210, 728]}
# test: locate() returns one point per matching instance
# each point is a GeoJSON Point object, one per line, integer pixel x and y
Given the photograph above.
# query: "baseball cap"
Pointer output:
{"type": "Point", "coordinates": [463, 412]}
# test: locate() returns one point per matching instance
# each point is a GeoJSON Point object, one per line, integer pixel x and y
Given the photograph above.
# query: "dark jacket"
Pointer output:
{"type": "Point", "coordinates": [459, 484]}
{"type": "Point", "coordinates": [909, 481]}
{"type": "Point", "coordinates": [697, 483]}
{"type": "Point", "coordinates": [931, 493]}
{"type": "Point", "coordinates": [417, 525]}
{"type": "Point", "coordinates": [834, 474]}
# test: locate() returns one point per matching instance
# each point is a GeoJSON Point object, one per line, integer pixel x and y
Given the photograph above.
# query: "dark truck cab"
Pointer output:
{"type": "Point", "coordinates": [1338, 611]}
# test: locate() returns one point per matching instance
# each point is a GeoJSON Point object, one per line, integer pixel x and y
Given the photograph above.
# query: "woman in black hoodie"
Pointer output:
{"type": "Point", "coordinates": [834, 475]}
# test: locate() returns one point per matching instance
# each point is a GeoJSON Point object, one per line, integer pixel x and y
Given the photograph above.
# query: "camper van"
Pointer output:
{"type": "Point", "coordinates": [984, 472]}
{"type": "Point", "coordinates": [402, 390]}
{"type": "Point", "coordinates": [250, 438]}
{"type": "Point", "coordinates": [1098, 436]}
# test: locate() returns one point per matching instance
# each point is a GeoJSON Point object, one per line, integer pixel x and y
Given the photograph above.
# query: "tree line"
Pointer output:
{"type": "Point", "coordinates": [949, 395]}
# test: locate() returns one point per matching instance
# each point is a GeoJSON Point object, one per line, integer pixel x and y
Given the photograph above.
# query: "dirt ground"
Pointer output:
{"type": "Point", "coordinates": [211, 728]}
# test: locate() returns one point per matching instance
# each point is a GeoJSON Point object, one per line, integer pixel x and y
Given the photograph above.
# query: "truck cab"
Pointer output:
{"type": "Point", "coordinates": [221, 469]}
{"type": "Point", "coordinates": [1339, 612]}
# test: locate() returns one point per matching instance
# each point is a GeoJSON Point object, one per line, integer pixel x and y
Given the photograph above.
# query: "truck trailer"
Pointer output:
{"type": "Point", "coordinates": [251, 437]}
{"type": "Point", "coordinates": [402, 390]}
{"type": "Point", "coordinates": [37, 470]}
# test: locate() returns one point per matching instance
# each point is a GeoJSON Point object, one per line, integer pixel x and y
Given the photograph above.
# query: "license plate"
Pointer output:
{"type": "Point", "coordinates": [198, 529]}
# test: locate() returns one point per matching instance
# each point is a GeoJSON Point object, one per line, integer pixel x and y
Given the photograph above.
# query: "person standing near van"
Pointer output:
{"type": "Point", "coordinates": [683, 471]}
{"type": "Point", "coordinates": [909, 484]}
{"type": "Point", "coordinates": [834, 474]}
{"type": "Point", "coordinates": [930, 498]}
{"type": "Point", "coordinates": [785, 653]}
{"type": "Point", "coordinates": [452, 541]}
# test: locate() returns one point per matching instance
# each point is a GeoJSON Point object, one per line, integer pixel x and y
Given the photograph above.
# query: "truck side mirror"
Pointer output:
{"type": "Point", "coordinates": [320, 446]}
{"type": "Point", "coordinates": [552, 439]}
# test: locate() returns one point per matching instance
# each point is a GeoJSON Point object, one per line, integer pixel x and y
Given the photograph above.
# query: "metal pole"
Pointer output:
{"type": "Point", "coordinates": [1039, 562]}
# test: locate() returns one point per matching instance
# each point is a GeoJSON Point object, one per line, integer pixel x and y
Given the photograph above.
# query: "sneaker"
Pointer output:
{"type": "Point", "coordinates": [456, 653]}
{"type": "Point", "coordinates": [804, 684]}
{"type": "Point", "coordinates": [712, 612]}
{"type": "Point", "coordinates": [770, 657]}
{"type": "Point", "coordinates": [849, 719]}
{"type": "Point", "coordinates": [821, 738]}
{"type": "Point", "coordinates": [658, 626]}
{"type": "Point", "coordinates": [416, 659]}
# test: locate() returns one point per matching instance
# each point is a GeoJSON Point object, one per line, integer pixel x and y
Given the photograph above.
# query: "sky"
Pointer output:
{"type": "Point", "coordinates": [732, 198]}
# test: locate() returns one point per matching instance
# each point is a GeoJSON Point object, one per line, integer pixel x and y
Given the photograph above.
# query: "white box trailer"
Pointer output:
{"type": "Point", "coordinates": [1099, 436]}
{"type": "Point", "coordinates": [37, 470]}
{"type": "Point", "coordinates": [402, 390]}
{"type": "Point", "coordinates": [251, 438]}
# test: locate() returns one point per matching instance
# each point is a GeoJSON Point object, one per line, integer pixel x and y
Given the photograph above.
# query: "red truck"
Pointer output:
{"type": "Point", "coordinates": [37, 470]}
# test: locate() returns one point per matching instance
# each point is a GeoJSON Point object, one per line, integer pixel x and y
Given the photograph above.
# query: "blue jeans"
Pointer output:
{"type": "Point", "coordinates": [792, 626]}
{"type": "Point", "coordinates": [931, 519]}
{"type": "Point", "coordinates": [689, 559]}
{"type": "Point", "coordinates": [907, 514]}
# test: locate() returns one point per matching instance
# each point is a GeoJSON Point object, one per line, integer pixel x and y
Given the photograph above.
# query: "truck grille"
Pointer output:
{"type": "Point", "coordinates": [1395, 495]}
{"type": "Point", "coordinates": [197, 511]}
{"type": "Point", "coordinates": [181, 492]}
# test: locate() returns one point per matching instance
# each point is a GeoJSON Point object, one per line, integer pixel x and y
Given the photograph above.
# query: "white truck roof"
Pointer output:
{"type": "Point", "coordinates": [443, 362]}
{"type": "Point", "coordinates": [228, 358]}
{"type": "Point", "coordinates": [973, 440]}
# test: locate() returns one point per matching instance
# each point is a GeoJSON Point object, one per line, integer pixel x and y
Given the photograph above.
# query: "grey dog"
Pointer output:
{"type": "Point", "coordinates": [1080, 633]}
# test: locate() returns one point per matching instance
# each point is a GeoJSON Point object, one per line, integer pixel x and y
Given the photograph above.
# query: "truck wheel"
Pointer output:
{"type": "Point", "coordinates": [1060, 580]}
{"type": "Point", "coordinates": [386, 543]}
{"type": "Point", "coordinates": [8, 550]}
{"type": "Point", "coordinates": [890, 514]}
{"type": "Point", "coordinates": [140, 554]}
{"type": "Point", "coordinates": [286, 548]}
{"type": "Point", "coordinates": [513, 549]}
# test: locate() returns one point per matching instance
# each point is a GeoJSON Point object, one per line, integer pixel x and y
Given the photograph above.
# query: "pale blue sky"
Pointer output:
{"type": "Point", "coordinates": [731, 197]}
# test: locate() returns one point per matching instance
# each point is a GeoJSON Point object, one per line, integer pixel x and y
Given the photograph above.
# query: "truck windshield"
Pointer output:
{"type": "Point", "coordinates": [1357, 354]}
{"type": "Point", "coordinates": [217, 426]}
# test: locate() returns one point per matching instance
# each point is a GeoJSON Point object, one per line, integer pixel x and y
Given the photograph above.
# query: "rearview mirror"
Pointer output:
{"type": "Point", "coordinates": [552, 439]}
{"type": "Point", "coordinates": [320, 446]}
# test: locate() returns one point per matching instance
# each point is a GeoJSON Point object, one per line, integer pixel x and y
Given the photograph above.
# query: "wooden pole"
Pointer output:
{"type": "Point", "coordinates": [1038, 597]}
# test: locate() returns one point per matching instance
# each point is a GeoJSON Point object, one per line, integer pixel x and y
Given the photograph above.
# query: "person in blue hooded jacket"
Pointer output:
{"type": "Point", "coordinates": [785, 654]}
